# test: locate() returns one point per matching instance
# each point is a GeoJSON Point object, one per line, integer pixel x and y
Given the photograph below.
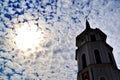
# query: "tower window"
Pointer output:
{"type": "Point", "coordinates": [93, 38]}
{"type": "Point", "coordinates": [84, 61]}
{"type": "Point", "coordinates": [110, 57]}
{"type": "Point", "coordinates": [102, 78]}
{"type": "Point", "coordinates": [97, 57]}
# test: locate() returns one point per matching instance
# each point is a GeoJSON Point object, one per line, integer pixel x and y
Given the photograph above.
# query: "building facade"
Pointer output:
{"type": "Point", "coordinates": [94, 56]}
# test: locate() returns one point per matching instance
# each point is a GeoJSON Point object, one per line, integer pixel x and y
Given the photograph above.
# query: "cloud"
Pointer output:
{"type": "Point", "coordinates": [60, 22]}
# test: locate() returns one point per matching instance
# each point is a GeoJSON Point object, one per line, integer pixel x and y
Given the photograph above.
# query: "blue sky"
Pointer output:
{"type": "Point", "coordinates": [59, 22]}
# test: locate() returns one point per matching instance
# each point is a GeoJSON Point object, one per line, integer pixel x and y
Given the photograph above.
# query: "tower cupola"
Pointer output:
{"type": "Point", "coordinates": [87, 24]}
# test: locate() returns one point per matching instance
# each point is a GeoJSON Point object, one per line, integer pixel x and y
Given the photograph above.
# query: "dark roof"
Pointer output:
{"type": "Point", "coordinates": [86, 31]}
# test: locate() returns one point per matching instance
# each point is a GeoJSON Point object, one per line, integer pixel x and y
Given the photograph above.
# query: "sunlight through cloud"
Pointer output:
{"type": "Point", "coordinates": [27, 36]}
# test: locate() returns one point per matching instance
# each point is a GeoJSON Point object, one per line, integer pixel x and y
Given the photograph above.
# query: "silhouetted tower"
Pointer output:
{"type": "Point", "coordinates": [94, 56]}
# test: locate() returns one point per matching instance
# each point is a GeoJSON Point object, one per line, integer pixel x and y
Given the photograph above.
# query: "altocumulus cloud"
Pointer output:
{"type": "Point", "coordinates": [60, 22]}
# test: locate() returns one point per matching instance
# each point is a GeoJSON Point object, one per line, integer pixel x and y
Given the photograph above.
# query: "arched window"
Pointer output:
{"type": "Point", "coordinates": [93, 38]}
{"type": "Point", "coordinates": [102, 78]}
{"type": "Point", "coordinates": [97, 56]}
{"type": "Point", "coordinates": [84, 61]}
{"type": "Point", "coordinates": [110, 57]}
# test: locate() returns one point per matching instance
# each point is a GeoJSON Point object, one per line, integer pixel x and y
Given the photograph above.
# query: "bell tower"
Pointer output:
{"type": "Point", "coordinates": [94, 56]}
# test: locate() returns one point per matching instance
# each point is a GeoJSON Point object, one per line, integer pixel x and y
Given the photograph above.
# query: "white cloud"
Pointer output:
{"type": "Point", "coordinates": [60, 22]}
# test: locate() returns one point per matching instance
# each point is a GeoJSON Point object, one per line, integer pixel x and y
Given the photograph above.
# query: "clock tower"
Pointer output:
{"type": "Point", "coordinates": [94, 56]}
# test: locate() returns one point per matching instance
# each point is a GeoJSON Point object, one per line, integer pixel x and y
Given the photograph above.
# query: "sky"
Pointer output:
{"type": "Point", "coordinates": [55, 25]}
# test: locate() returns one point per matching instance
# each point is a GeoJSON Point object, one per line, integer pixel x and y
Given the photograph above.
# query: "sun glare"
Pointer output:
{"type": "Point", "coordinates": [27, 36]}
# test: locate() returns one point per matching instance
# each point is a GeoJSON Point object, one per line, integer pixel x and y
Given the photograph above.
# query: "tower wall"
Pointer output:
{"type": "Point", "coordinates": [94, 56]}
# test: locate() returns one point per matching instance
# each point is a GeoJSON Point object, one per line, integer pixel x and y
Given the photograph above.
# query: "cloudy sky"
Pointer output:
{"type": "Point", "coordinates": [55, 24]}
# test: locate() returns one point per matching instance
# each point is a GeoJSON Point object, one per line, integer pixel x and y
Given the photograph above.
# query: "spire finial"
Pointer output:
{"type": "Point", "coordinates": [87, 24]}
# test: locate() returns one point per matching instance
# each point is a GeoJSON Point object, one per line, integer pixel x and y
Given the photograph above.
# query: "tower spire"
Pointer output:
{"type": "Point", "coordinates": [87, 24]}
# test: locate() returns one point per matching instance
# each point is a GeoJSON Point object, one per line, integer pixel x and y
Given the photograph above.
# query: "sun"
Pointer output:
{"type": "Point", "coordinates": [27, 36]}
